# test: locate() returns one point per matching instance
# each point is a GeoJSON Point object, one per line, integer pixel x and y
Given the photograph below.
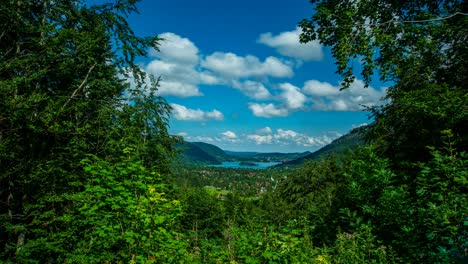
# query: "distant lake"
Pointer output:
{"type": "Point", "coordinates": [237, 165]}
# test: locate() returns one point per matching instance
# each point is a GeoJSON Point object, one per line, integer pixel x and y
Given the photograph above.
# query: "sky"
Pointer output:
{"type": "Point", "coordinates": [237, 77]}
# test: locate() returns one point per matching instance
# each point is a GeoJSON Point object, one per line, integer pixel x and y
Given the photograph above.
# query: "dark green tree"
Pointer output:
{"type": "Point", "coordinates": [418, 46]}
{"type": "Point", "coordinates": [64, 93]}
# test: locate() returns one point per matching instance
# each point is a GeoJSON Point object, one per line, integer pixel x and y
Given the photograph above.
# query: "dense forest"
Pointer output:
{"type": "Point", "coordinates": [86, 159]}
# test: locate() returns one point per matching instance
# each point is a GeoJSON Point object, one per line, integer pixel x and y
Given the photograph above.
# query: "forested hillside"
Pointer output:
{"type": "Point", "coordinates": [341, 145]}
{"type": "Point", "coordinates": [199, 154]}
{"type": "Point", "coordinates": [87, 169]}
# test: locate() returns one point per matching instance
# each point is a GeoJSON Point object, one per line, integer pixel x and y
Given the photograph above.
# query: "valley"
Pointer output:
{"type": "Point", "coordinates": [204, 154]}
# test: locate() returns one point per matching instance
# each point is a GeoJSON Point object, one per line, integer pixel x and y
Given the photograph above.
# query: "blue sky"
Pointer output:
{"type": "Point", "coordinates": [237, 76]}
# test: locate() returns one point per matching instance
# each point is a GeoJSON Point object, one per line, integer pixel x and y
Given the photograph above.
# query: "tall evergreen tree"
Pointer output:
{"type": "Point", "coordinates": [64, 94]}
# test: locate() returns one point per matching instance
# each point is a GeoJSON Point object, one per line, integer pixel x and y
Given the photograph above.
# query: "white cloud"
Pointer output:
{"type": "Point", "coordinates": [261, 139]}
{"type": "Point", "coordinates": [292, 97]}
{"type": "Point", "coordinates": [178, 65]}
{"type": "Point", "coordinates": [264, 131]}
{"type": "Point", "coordinates": [267, 110]}
{"type": "Point", "coordinates": [320, 96]}
{"type": "Point", "coordinates": [176, 49]}
{"type": "Point", "coordinates": [179, 89]}
{"type": "Point", "coordinates": [182, 69]}
{"type": "Point", "coordinates": [181, 112]}
{"type": "Point", "coordinates": [201, 139]}
{"type": "Point", "coordinates": [327, 97]}
{"type": "Point", "coordinates": [290, 137]}
{"type": "Point", "coordinates": [318, 88]}
{"type": "Point", "coordinates": [229, 134]}
{"type": "Point", "coordinates": [254, 90]}
{"type": "Point", "coordinates": [287, 44]}
{"type": "Point", "coordinates": [230, 65]}
{"type": "Point", "coordinates": [265, 140]}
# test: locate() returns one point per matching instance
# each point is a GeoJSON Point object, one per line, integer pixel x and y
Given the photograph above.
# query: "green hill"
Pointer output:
{"type": "Point", "coordinates": [278, 157]}
{"type": "Point", "coordinates": [349, 141]}
{"type": "Point", "coordinates": [213, 151]}
{"type": "Point", "coordinates": [199, 153]}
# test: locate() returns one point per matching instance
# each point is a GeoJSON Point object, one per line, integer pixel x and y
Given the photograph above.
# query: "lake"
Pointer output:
{"type": "Point", "coordinates": [237, 165]}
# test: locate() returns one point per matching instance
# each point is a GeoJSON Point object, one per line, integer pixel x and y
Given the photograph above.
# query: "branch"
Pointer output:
{"type": "Point", "coordinates": [79, 87]}
{"type": "Point", "coordinates": [423, 21]}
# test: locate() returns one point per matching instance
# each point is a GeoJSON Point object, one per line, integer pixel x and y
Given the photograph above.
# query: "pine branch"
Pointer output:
{"type": "Point", "coordinates": [79, 87]}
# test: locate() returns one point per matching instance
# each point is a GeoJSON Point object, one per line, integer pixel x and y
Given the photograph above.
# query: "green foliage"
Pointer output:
{"type": "Point", "coordinates": [387, 35]}
{"type": "Point", "coordinates": [422, 220]}
{"type": "Point", "coordinates": [419, 47]}
{"type": "Point", "coordinates": [260, 245]}
{"type": "Point", "coordinates": [341, 145]}
{"type": "Point", "coordinates": [358, 247]}
{"type": "Point", "coordinates": [203, 213]}
{"type": "Point", "coordinates": [359, 196]}
{"type": "Point", "coordinates": [122, 215]}
{"type": "Point", "coordinates": [63, 96]}
{"type": "Point", "coordinates": [142, 122]}
{"type": "Point", "coordinates": [441, 189]}
{"type": "Point", "coordinates": [245, 182]}
{"type": "Point", "coordinates": [420, 113]}
{"type": "Point", "coordinates": [413, 197]}
{"type": "Point", "coordinates": [71, 98]}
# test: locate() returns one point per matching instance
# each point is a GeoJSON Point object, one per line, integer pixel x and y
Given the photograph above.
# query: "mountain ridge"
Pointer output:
{"type": "Point", "coordinates": [348, 141]}
{"type": "Point", "coordinates": [201, 153]}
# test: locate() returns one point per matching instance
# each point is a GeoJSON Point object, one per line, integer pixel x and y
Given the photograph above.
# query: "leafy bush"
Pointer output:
{"type": "Point", "coordinates": [122, 215]}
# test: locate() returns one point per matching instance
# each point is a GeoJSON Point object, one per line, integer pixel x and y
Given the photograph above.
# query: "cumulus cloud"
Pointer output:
{"type": "Point", "coordinates": [261, 139]}
{"type": "Point", "coordinates": [327, 97]}
{"type": "Point", "coordinates": [229, 136]}
{"type": "Point", "coordinates": [181, 112]}
{"type": "Point", "coordinates": [183, 69]}
{"type": "Point", "coordinates": [177, 49]}
{"type": "Point", "coordinates": [268, 110]}
{"type": "Point", "coordinates": [319, 96]}
{"type": "Point", "coordinates": [264, 131]}
{"type": "Point", "coordinates": [290, 99]}
{"type": "Point", "coordinates": [290, 137]}
{"type": "Point", "coordinates": [287, 44]}
{"type": "Point", "coordinates": [233, 66]}
{"type": "Point", "coordinates": [252, 89]}
{"type": "Point", "coordinates": [176, 63]}
{"type": "Point", "coordinates": [292, 96]}
{"type": "Point", "coordinates": [314, 87]}
{"type": "Point", "coordinates": [266, 139]}
{"type": "Point", "coordinates": [179, 89]}
{"type": "Point", "coordinates": [201, 139]}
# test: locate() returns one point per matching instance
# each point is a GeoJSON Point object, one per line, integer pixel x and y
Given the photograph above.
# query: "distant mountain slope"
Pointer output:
{"type": "Point", "coordinates": [199, 153]}
{"type": "Point", "coordinates": [213, 151]}
{"type": "Point", "coordinates": [351, 140]}
{"type": "Point", "coordinates": [266, 157]}
{"type": "Point", "coordinates": [283, 157]}
{"type": "Point", "coordinates": [241, 153]}
{"type": "Point", "coordinates": [193, 154]}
